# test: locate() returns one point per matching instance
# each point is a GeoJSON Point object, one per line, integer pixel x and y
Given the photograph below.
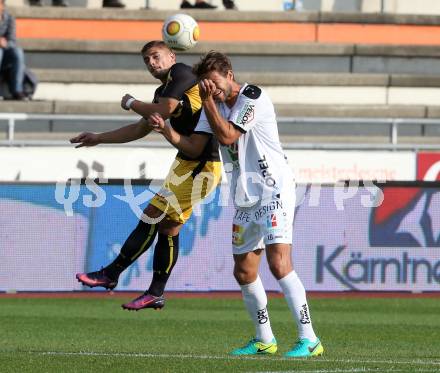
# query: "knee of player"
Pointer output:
{"type": "Point", "coordinates": [280, 267]}
{"type": "Point", "coordinates": [169, 227]}
{"type": "Point", "coordinates": [245, 275]}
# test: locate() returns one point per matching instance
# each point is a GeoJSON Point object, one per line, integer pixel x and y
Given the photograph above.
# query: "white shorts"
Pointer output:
{"type": "Point", "coordinates": [257, 226]}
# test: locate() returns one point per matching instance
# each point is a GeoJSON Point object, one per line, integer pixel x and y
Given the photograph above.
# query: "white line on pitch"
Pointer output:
{"type": "Point", "coordinates": [335, 370]}
{"type": "Point", "coordinates": [217, 357]}
{"type": "Point", "coordinates": [352, 370]}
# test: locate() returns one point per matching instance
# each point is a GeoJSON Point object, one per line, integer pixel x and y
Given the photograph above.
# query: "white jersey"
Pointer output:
{"type": "Point", "coordinates": [256, 166]}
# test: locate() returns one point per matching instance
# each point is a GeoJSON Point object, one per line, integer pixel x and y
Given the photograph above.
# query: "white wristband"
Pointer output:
{"type": "Point", "coordinates": [129, 102]}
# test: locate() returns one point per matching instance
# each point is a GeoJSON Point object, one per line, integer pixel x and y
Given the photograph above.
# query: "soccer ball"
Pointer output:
{"type": "Point", "coordinates": [180, 32]}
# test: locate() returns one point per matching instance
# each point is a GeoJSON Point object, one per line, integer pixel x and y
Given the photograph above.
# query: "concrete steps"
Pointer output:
{"type": "Point", "coordinates": [65, 91]}
{"type": "Point", "coordinates": [246, 57]}
{"type": "Point", "coordinates": [284, 110]}
{"type": "Point", "coordinates": [284, 88]}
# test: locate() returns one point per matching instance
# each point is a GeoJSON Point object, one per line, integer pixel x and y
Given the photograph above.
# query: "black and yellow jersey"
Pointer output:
{"type": "Point", "coordinates": [182, 85]}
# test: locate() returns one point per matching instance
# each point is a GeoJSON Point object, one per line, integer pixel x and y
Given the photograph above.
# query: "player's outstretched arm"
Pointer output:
{"type": "Point", "coordinates": [85, 139]}
{"type": "Point", "coordinates": [124, 134]}
{"type": "Point", "coordinates": [192, 146]}
{"type": "Point", "coordinates": [164, 107]}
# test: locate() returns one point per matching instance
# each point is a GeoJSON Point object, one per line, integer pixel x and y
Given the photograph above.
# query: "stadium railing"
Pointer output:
{"type": "Point", "coordinates": [392, 124]}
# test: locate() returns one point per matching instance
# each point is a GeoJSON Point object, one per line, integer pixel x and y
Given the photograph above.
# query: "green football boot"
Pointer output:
{"type": "Point", "coordinates": [305, 348]}
{"type": "Point", "coordinates": [256, 347]}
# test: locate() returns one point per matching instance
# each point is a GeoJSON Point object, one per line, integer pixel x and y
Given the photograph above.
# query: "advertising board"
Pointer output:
{"type": "Point", "coordinates": [368, 238]}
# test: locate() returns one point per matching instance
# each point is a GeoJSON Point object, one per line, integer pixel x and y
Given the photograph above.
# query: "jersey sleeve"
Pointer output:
{"type": "Point", "coordinates": [245, 113]}
{"type": "Point", "coordinates": [180, 79]}
{"type": "Point", "coordinates": [203, 124]}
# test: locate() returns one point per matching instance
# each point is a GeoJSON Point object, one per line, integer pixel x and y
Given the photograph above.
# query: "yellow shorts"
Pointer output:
{"type": "Point", "coordinates": [187, 183]}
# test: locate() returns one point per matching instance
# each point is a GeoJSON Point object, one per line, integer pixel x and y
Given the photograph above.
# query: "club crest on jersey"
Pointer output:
{"type": "Point", "coordinates": [246, 114]}
{"type": "Point", "coordinates": [271, 221]}
{"type": "Point", "coordinates": [237, 235]}
{"type": "Point", "coordinates": [233, 153]}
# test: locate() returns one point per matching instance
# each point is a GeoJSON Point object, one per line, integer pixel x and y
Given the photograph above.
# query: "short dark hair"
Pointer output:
{"type": "Point", "coordinates": [154, 44]}
{"type": "Point", "coordinates": [212, 61]}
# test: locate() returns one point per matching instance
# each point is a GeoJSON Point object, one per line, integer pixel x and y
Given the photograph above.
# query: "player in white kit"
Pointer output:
{"type": "Point", "coordinates": [242, 117]}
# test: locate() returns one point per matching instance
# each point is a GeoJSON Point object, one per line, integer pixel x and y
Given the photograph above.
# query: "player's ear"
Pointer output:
{"type": "Point", "coordinates": [230, 75]}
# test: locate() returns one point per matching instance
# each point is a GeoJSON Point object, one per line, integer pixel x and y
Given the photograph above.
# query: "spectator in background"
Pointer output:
{"type": "Point", "coordinates": [229, 4]}
{"type": "Point", "coordinates": [11, 56]}
{"type": "Point", "coordinates": [200, 4]}
{"type": "Point", "coordinates": [112, 4]}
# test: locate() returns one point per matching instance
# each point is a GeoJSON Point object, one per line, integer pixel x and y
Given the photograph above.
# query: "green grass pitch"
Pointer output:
{"type": "Point", "coordinates": [195, 335]}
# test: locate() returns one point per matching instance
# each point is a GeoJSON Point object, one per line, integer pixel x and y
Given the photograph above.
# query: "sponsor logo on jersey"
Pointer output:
{"type": "Point", "coordinates": [271, 206]}
{"type": "Point", "coordinates": [242, 216]}
{"type": "Point", "coordinates": [233, 153]}
{"type": "Point", "coordinates": [246, 114]}
{"type": "Point", "coordinates": [271, 221]}
{"type": "Point", "coordinates": [237, 235]}
{"type": "Point", "coordinates": [264, 168]}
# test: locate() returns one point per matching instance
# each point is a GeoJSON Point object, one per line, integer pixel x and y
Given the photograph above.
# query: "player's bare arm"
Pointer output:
{"type": "Point", "coordinates": [224, 130]}
{"type": "Point", "coordinates": [192, 146]}
{"type": "Point", "coordinates": [164, 107]}
{"type": "Point", "coordinates": [124, 134]}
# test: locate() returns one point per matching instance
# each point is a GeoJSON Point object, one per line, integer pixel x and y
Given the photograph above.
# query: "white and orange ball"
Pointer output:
{"type": "Point", "coordinates": [180, 32]}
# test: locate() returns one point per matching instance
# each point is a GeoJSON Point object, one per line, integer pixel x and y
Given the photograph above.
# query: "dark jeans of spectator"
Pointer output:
{"type": "Point", "coordinates": [12, 61]}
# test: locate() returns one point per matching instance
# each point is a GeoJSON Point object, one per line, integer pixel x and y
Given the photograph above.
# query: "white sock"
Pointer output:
{"type": "Point", "coordinates": [255, 298]}
{"type": "Point", "coordinates": [295, 295]}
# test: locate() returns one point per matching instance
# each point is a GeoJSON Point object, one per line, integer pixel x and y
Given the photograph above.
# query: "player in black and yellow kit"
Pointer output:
{"type": "Point", "coordinates": [188, 182]}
